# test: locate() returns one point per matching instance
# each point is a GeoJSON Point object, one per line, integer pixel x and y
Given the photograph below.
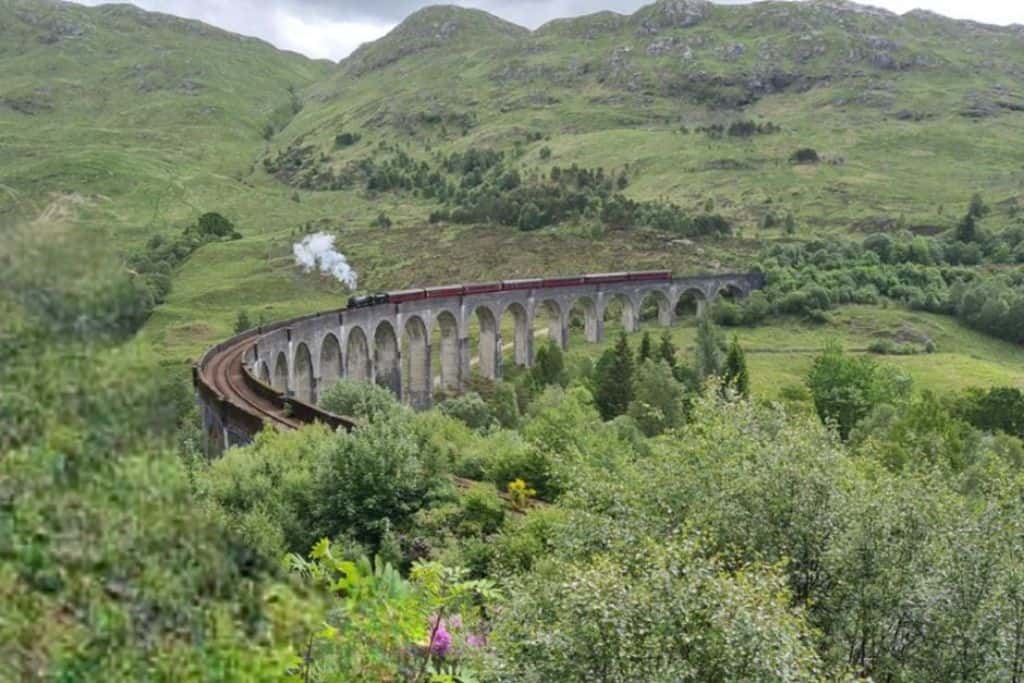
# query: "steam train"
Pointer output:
{"type": "Point", "coordinates": [408, 295]}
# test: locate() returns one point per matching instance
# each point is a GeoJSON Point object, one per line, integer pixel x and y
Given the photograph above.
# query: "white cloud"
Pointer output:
{"type": "Point", "coordinates": [321, 38]}
{"type": "Point", "coordinates": [288, 25]}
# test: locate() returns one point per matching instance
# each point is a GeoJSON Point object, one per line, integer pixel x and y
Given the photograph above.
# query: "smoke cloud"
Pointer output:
{"type": "Point", "coordinates": [317, 252]}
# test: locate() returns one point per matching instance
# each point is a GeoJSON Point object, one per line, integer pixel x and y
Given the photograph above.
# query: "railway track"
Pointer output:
{"type": "Point", "coordinates": [225, 373]}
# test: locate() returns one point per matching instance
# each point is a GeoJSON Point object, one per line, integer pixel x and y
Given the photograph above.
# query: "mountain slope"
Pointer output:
{"type": "Point", "coordinates": [135, 114]}
{"type": "Point", "coordinates": [910, 111]}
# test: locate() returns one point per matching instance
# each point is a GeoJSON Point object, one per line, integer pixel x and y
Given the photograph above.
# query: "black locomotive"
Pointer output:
{"type": "Point", "coordinates": [368, 300]}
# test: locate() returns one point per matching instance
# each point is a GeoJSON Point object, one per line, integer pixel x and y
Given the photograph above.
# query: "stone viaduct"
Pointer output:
{"type": "Point", "coordinates": [394, 341]}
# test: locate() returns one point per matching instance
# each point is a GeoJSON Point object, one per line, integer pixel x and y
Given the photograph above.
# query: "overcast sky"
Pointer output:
{"type": "Point", "coordinates": [333, 28]}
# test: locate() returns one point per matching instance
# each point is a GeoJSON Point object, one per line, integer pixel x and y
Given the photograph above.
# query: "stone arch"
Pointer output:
{"type": "Point", "coordinates": [488, 357]}
{"type": "Point", "coordinates": [557, 319]}
{"type": "Point", "coordinates": [263, 373]}
{"type": "Point", "coordinates": [522, 335]}
{"type": "Point", "coordinates": [416, 362]}
{"type": "Point", "coordinates": [280, 380]}
{"type": "Point", "coordinates": [450, 357]}
{"type": "Point", "coordinates": [729, 291]}
{"type": "Point", "coordinates": [690, 304]}
{"type": "Point", "coordinates": [623, 305]}
{"type": "Point", "coordinates": [305, 383]}
{"type": "Point", "coordinates": [584, 310]}
{"type": "Point", "coordinates": [357, 356]}
{"type": "Point", "coordinates": [330, 362]}
{"type": "Point", "coordinates": [655, 304]}
{"type": "Point", "coordinates": [387, 360]}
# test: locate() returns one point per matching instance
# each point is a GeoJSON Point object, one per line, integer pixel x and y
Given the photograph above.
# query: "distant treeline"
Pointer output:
{"type": "Point", "coordinates": [481, 186]}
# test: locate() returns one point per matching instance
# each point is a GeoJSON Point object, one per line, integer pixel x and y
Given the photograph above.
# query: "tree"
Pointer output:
{"type": "Point", "coordinates": [998, 408]}
{"type": "Point", "coordinates": [242, 322]}
{"type": "Point", "coordinates": [646, 351]}
{"type": "Point", "coordinates": [657, 403]}
{"type": "Point", "coordinates": [805, 155]}
{"type": "Point", "coordinates": [967, 229]}
{"type": "Point", "coordinates": [735, 373]}
{"type": "Point", "coordinates": [667, 350]}
{"type": "Point", "coordinates": [530, 217]}
{"type": "Point", "coordinates": [977, 208]}
{"type": "Point", "coordinates": [846, 388]}
{"type": "Point", "coordinates": [215, 225]}
{"type": "Point", "coordinates": [471, 410]}
{"type": "Point", "coordinates": [615, 379]}
{"type": "Point", "coordinates": [709, 349]}
{"type": "Point", "coordinates": [549, 366]}
{"type": "Point", "coordinates": [360, 399]}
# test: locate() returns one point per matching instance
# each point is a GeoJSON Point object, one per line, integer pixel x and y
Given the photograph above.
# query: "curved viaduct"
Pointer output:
{"type": "Point", "coordinates": [420, 341]}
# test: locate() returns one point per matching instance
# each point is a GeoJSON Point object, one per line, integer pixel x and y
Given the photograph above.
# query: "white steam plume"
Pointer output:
{"type": "Point", "coordinates": [316, 252]}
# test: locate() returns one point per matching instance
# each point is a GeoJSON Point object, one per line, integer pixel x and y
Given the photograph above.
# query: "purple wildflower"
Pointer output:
{"type": "Point", "coordinates": [473, 640]}
{"type": "Point", "coordinates": [442, 641]}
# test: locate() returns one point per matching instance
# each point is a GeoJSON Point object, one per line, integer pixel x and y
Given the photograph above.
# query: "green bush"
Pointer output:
{"type": "Point", "coordinates": [483, 510]}
{"type": "Point", "coordinates": [364, 400]}
{"type": "Point", "coordinates": [470, 409]}
{"type": "Point", "coordinates": [652, 611]}
{"type": "Point", "coordinates": [846, 388]}
{"type": "Point", "coordinates": [510, 458]}
{"type": "Point", "coordinates": [657, 404]}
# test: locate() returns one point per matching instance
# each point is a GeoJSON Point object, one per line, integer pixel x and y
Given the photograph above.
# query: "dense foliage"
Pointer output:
{"type": "Point", "coordinates": [482, 185]}
{"type": "Point", "coordinates": [938, 274]}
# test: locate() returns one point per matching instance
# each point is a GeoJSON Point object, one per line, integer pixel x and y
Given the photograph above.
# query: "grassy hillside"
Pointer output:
{"type": "Point", "coordinates": [909, 113]}
{"type": "Point", "coordinates": [123, 123]}
{"type": "Point", "coordinates": [117, 124]}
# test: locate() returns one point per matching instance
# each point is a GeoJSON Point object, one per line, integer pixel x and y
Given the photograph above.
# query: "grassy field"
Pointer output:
{"type": "Point", "coordinates": [779, 354]}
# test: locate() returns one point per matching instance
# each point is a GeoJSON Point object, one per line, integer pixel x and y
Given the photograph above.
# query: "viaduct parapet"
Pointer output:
{"type": "Point", "coordinates": [421, 341]}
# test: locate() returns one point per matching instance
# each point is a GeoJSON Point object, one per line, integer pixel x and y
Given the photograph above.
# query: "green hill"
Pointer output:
{"type": "Point", "coordinates": [118, 124]}
{"type": "Point", "coordinates": [126, 121]}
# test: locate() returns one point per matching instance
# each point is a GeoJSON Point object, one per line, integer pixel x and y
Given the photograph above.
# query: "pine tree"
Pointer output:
{"type": "Point", "coordinates": [646, 348]}
{"type": "Point", "coordinates": [967, 229]}
{"type": "Point", "coordinates": [549, 366]}
{"type": "Point", "coordinates": [735, 374]}
{"type": "Point", "coordinates": [667, 350]}
{"type": "Point", "coordinates": [709, 349]}
{"type": "Point", "coordinates": [615, 379]}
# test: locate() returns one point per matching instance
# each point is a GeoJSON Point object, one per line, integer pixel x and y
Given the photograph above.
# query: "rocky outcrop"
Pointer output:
{"type": "Point", "coordinates": [446, 27]}
{"type": "Point", "coordinates": [670, 14]}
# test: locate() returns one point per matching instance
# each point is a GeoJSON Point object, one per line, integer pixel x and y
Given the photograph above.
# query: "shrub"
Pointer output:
{"type": "Point", "coordinates": [549, 366]}
{"type": "Point", "coordinates": [845, 388]}
{"type": "Point", "coordinates": [243, 323]}
{"type": "Point", "coordinates": [657, 403]}
{"type": "Point", "coordinates": [360, 400]}
{"type": "Point", "coordinates": [651, 612]}
{"type": "Point", "coordinates": [214, 225]}
{"type": "Point", "coordinates": [727, 313]}
{"type": "Point", "coordinates": [512, 458]}
{"type": "Point", "coordinates": [470, 409]}
{"type": "Point", "coordinates": [483, 510]}
{"type": "Point", "coordinates": [804, 155]}
{"type": "Point", "coordinates": [346, 139]}
{"type": "Point", "coordinates": [505, 405]}
{"type": "Point", "coordinates": [373, 479]}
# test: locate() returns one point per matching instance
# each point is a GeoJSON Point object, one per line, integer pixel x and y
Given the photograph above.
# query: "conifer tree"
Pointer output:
{"type": "Point", "coordinates": [735, 373]}
{"type": "Point", "coordinates": [615, 379]}
{"type": "Point", "coordinates": [667, 350]}
{"type": "Point", "coordinates": [646, 351]}
{"type": "Point", "coordinates": [709, 349]}
{"type": "Point", "coordinates": [549, 366]}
